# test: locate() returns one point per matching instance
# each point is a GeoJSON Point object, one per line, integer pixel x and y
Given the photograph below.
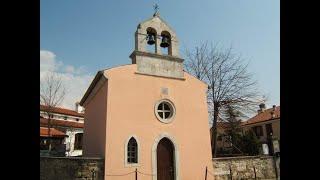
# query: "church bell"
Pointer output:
{"type": "Point", "coordinates": [165, 42]}
{"type": "Point", "coordinates": [151, 39]}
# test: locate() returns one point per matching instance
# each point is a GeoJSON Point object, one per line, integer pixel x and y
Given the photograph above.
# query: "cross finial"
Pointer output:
{"type": "Point", "coordinates": [156, 10]}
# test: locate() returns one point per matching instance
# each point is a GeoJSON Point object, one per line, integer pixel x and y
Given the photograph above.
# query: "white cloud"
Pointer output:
{"type": "Point", "coordinates": [69, 69]}
{"type": "Point", "coordinates": [75, 79]}
{"type": "Point", "coordinates": [47, 61]}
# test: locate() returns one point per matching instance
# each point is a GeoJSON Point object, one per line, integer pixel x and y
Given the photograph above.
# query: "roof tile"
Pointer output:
{"type": "Point", "coordinates": [44, 121]}
{"type": "Point", "coordinates": [264, 116]}
{"type": "Point", "coordinates": [44, 132]}
{"type": "Point", "coordinates": [62, 111]}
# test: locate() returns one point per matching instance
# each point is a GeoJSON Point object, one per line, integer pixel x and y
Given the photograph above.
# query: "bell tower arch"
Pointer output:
{"type": "Point", "coordinates": [164, 60]}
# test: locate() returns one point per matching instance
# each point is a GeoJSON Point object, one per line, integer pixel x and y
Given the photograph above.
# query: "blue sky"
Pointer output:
{"type": "Point", "coordinates": [80, 37]}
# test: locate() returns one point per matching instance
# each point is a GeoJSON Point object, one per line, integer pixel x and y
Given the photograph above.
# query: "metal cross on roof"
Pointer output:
{"type": "Point", "coordinates": [156, 8]}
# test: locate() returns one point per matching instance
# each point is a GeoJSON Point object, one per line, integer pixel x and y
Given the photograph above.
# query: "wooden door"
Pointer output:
{"type": "Point", "coordinates": [165, 160]}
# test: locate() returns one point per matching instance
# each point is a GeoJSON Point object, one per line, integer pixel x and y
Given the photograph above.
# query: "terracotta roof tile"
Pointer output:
{"type": "Point", "coordinates": [53, 132]}
{"type": "Point", "coordinates": [62, 111]}
{"type": "Point", "coordinates": [264, 116]}
{"type": "Point", "coordinates": [55, 122]}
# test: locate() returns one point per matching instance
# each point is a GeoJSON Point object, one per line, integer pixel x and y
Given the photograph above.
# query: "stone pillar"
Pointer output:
{"type": "Point", "coordinates": [158, 47]}
{"type": "Point", "coordinates": [140, 41]}
{"type": "Point", "coordinates": [175, 47]}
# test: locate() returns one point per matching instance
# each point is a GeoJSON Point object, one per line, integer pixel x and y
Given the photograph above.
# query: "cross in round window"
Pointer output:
{"type": "Point", "coordinates": [164, 111]}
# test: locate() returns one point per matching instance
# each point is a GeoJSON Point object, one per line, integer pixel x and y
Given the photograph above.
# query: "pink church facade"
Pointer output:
{"type": "Point", "coordinates": [149, 115]}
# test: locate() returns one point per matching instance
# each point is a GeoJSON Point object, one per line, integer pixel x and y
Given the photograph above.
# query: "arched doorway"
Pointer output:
{"type": "Point", "coordinates": [165, 160]}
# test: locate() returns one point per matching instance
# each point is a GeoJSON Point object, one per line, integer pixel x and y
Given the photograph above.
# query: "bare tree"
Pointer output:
{"type": "Point", "coordinates": [198, 61]}
{"type": "Point", "coordinates": [229, 82]}
{"type": "Point", "coordinates": [52, 92]}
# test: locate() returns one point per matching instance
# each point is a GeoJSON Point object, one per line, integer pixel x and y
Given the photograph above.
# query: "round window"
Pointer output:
{"type": "Point", "coordinates": [164, 111]}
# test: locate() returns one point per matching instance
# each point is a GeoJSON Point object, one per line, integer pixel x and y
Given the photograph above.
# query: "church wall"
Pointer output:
{"type": "Point", "coordinates": [95, 126]}
{"type": "Point", "coordinates": [131, 102]}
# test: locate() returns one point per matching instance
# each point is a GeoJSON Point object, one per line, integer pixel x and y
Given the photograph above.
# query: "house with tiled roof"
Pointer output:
{"type": "Point", "coordinates": [222, 138]}
{"type": "Point", "coordinates": [66, 129]}
{"type": "Point", "coordinates": [63, 113]}
{"type": "Point", "coordinates": [266, 125]}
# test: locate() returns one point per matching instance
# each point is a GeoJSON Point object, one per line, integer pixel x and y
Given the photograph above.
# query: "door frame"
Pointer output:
{"type": "Point", "coordinates": [175, 155]}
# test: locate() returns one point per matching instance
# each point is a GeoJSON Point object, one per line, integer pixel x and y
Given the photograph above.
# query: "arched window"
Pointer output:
{"type": "Point", "coordinates": [132, 151]}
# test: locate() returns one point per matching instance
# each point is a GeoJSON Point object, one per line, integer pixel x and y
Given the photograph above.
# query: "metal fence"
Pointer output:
{"type": "Point", "coordinates": [136, 173]}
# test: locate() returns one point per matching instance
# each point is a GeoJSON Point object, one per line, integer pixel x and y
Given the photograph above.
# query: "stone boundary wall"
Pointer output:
{"type": "Point", "coordinates": [81, 168]}
{"type": "Point", "coordinates": [245, 168]}
{"type": "Point", "coordinates": [71, 168]}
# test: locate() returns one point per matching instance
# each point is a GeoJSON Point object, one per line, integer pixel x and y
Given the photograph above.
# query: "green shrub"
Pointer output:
{"type": "Point", "coordinates": [250, 144]}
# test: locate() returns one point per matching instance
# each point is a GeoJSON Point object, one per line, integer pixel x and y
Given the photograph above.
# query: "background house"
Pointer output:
{"type": "Point", "coordinates": [265, 125]}
{"type": "Point", "coordinates": [224, 145]}
{"type": "Point", "coordinates": [66, 128]}
{"type": "Point", "coordinates": [57, 138]}
{"type": "Point", "coordinates": [223, 140]}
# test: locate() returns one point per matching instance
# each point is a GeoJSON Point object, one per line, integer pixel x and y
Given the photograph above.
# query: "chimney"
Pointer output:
{"type": "Point", "coordinates": [262, 107]}
{"type": "Point", "coordinates": [272, 114]}
{"type": "Point", "coordinates": [77, 107]}
{"type": "Point", "coordinates": [273, 111]}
